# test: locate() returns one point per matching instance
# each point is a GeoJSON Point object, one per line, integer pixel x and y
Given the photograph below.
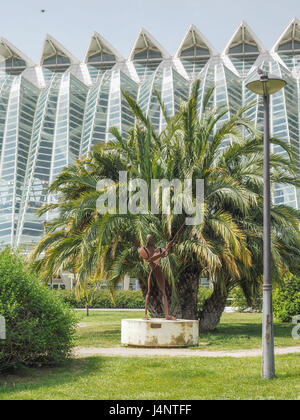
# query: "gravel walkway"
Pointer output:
{"type": "Point", "coordinates": [144, 352]}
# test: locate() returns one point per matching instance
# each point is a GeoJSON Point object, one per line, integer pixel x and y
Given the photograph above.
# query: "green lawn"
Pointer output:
{"type": "Point", "coordinates": [103, 328]}
{"type": "Point", "coordinates": [161, 377]}
{"type": "Point", "coordinates": [155, 378]}
{"type": "Point", "coordinates": [236, 331]}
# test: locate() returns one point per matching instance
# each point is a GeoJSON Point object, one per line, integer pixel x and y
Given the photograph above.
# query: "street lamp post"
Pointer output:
{"type": "Point", "coordinates": [266, 85]}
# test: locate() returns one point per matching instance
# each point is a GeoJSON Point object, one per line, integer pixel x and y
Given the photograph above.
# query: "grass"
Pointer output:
{"type": "Point", "coordinates": [235, 332]}
{"type": "Point", "coordinates": [103, 328]}
{"type": "Point", "coordinates": [97, 378]}
{"type": "Point", "coordinates": [162, 378]}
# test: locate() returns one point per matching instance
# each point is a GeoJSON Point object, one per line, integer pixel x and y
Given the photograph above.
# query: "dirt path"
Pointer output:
{"type": "Point", "coordinates": [144, 352]}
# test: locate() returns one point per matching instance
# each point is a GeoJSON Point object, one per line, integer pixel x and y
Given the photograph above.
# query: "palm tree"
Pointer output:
{"type": "Point", "coordinates": [226, 246]}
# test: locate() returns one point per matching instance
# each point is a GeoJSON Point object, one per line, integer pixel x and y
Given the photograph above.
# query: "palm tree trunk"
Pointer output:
{"type": "Point", "coordinates": [87, 310]}
{"type": "Point", "coordinates": [184, 305]}
{"type": "Point", "coordinates": [212, 310]}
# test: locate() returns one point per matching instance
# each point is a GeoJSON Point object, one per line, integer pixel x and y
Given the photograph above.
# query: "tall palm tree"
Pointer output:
{"type": "Point", "coordinates": [226, 245]}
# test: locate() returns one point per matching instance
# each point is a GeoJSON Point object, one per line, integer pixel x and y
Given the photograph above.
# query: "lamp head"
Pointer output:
{"type": "Point", "coordinates": [266, 84]}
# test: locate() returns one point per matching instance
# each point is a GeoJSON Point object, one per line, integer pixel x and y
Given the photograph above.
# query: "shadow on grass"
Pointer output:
{"type": "Point", "coordinates": [245, 335]}
{"type": "Point", "coordinates": [30, 379]}
{"type": "Point", "coordinates": [253, 330]}
{"type": "Point", "coordinates": [157, 378]}
{"type": "Point", "coordinates": [109, 337]}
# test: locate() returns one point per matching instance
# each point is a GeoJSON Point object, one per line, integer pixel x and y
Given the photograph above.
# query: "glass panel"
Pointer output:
{"type": "Point", "coordinates": [94, 58]}
{"type": "Point", "coordinates": [154, 54]}
{"type": "Point", "coordinates": [8, 62]}
{"type": "Point", "coordinates": [56, 59]}
{"type": "Point", "coordinates": [286, 46]}
{"type": "Point", "coordinates": [189, 52]}
{"type": "Point", "coordinates": [18, 63]}
{"type": "Point", "coordinates": [250, 48]}
{"type": "Point", "coordinates": [141, 55]}
{"type": "Point", "coordinates": [297, 45]}
{"type": "Point", "coordinates": [108, 57]}
{"type": "Point", "coordinates": [50, 60]}
{"type": "Point", "coordinates": [236, 50]}
{"type": "Point", "coordinates": [201, 51]}
{"type": "Point", "coordinates": [62, 60]}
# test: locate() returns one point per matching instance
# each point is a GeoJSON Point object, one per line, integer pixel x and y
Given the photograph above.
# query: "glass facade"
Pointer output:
{"type": "Point", "coordinates": [56, 111]}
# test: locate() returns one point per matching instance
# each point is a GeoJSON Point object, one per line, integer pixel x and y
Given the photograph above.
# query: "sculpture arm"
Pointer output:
{"type": "Point", "coordinates": [168, 250]}
{"type": "Point", "coordinates": [162, 254]}
{"type": "Point", "coordinates": [165, 252]}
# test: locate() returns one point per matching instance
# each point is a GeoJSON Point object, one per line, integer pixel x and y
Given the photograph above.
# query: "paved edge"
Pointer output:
{"type": "Point", "coordinates": [144, 352]}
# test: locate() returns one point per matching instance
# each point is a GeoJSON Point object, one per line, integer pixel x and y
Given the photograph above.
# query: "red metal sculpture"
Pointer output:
{"type": "Point", "coordinates": [153, 256]}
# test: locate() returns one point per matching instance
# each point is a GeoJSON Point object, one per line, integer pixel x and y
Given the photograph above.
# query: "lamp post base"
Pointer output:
{"type": "Point", "coordinates": [268, 359]}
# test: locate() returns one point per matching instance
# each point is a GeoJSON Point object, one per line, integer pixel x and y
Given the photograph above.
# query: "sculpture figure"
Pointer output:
{"type": "Point", "coordinates": [153, 256]}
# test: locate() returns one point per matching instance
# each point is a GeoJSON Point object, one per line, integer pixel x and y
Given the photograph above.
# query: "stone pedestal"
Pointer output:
{"type": "Point", "coordinates": [159, 333]}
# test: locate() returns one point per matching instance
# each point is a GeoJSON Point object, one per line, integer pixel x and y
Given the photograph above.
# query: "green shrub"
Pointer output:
{"type": "Point", "coordinates": [203, 294]}
{"type": "Point", "coordinates": [123, 299]}
{"type": "Point", "coordinates": [130, 299]}
{"type": "Point", "coordinates": [39, 325]}
{"type": "Point", "coordinates": [286, 300]}
{"type": "Point", "coordinates": [69, 298]}
{"type": "Point", "coordinates": [240, 302]}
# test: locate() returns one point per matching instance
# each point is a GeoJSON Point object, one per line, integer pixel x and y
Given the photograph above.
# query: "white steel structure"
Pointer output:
{"type": "Point", "coordinates": [56, 111]}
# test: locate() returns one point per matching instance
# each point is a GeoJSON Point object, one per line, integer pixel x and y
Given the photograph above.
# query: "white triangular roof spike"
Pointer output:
{"type": "Point", "coordinates": [144, 40]}
{"type": "Point", "coordinates": [292, 31]}
{"type": "Point", "coordinates": [98, 43]}
{"type": "Point", "coordinates": [192, 37]}
{"type": "Point", "coordinates": [244, 33]}
{"type": "Point", "coordinates": [7, 50]}
{"type": "Point", "coordinates": [52, 46]}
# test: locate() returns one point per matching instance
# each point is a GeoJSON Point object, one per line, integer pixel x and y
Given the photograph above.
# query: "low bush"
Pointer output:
{"type": "Point", "coordinates": [39, 325]}
{"type": "Point", "coordinates": [239, 301]}
{"type": "Point", "coordinates": [204, 293]}
{"type": "Point", "coordinates": [130, 299]}
{"type": "Point", "coordinates": [286, 299]}
{"type": "Point", "coordinates": [123, 299]}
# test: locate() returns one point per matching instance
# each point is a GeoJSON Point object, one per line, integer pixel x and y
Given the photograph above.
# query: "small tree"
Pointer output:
{"type": "Point", "coordinates": [253, 300]}
{"type": "Point", "coordinates": [287, 299]}
{"type": "Point", "coordinates": [87, 291]}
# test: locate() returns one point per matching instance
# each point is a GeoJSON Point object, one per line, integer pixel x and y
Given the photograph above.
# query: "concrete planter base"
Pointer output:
{"type": "Point", "coordinates": [159, 333]}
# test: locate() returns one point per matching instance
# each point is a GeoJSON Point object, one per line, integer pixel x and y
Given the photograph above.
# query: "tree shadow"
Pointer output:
{"type": "Point", "coordinates": [24, 378]}
{"type": "Point", "coordinates": [243, 332]}
{"type": "Point", "coordinates": [254, 330]}
{"type": "Point", "coordinates": [101, 338]}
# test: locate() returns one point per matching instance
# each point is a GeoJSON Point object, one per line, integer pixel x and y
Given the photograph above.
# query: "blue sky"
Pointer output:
{"type": "Point", "coordinates": [72, 21]}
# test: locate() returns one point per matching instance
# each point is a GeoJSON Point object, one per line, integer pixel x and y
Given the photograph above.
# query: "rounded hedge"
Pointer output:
{"type": "Point", "coordinates": [286, 299]}
{"type": "Point", "coordinates": [123, 299]}
{"type": "Point", "coordinates": [40, 327]}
